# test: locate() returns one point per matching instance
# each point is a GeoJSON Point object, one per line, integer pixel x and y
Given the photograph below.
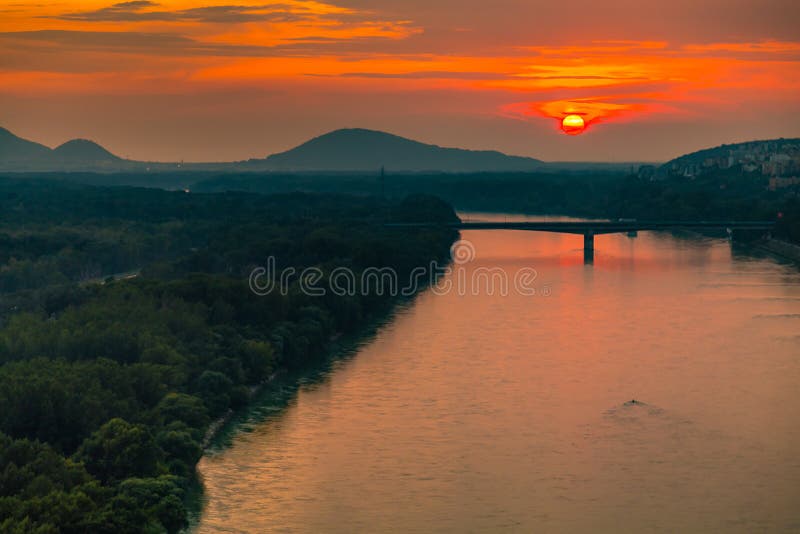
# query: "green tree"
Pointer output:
{"type": "Point", "coordinates": [185, 408]}
{"type": "Point", "coordinates": [118, 450]}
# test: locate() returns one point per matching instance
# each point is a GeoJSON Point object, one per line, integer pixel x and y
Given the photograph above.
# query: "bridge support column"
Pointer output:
{"type": "Point", "coordinates": [588, 248]}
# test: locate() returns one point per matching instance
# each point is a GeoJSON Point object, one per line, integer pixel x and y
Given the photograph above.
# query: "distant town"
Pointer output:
{"type": "Point", "coordinates": [778, 160]}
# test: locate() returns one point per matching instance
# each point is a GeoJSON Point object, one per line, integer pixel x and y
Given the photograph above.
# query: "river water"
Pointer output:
{"type": "Point", "coordinates": [512, 413]}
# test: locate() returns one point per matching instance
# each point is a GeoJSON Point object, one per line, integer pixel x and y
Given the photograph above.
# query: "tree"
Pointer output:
{"type": "Point", "coordinates": [185, 408]}
{"type": "Point", "coordinates": [258, 359]}
{"type": "Point", "coordinates": [154, 501]}
{"type": "Point", "coordinates": [182, 450]}
{"type": "Point", "coordinates": [119, 450]}
{"type": "Point", "coordinates": [215, 389]}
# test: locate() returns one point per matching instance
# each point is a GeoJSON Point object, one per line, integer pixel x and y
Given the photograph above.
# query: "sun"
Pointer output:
{"type": "Point", "coordinates": [573, 124]}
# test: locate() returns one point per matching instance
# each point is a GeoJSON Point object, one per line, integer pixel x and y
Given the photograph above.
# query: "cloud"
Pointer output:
{"type": "Point", "coordinates": [123, 11]}
{"type": "Point", "coordinates": [593, 110]}
{"type": "Point", "coordinates": [135, 4]}
{"type": "Point", "coordinates": [784, 49]}
{"type": "Point", "coordinates": [164, 44]}
{"type": "Point", "coordinates": [290, 27]}
{"type": "Point", "coordinates": [425, 75]}
{"type": "Point", "coordinates": [363, 46]}
{"type": "Point", "coordinates": [136, 11]}
{"type": "Point", "coordinates": [100, 40]}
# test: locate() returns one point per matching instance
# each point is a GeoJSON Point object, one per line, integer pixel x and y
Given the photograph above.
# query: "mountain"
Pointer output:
{"type": "Point", "coordinates": [769, 157]}
{"type": "Point", "coordinates": [82, 151]}
{"type": "Point", "coordinates": [368, 150]}
{"type": "Point", "coordinates": [765, 146]}
{"type": "Point", "coordinates": [339, 151]}
{"type": "Point", "coordinates": [15, 150]}
{"type": "Point", "coordinates": [17, 154]}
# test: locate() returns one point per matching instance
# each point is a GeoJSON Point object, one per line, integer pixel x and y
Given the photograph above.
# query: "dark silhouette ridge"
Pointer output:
{"type": "Point", "coordinates": [14, 149]}
{"type": "Point", "coordinates": [78, 154]}
{"type": "Point", "coordinates": [346, 150]}
{"type": "Point", "coordinates": [359, 149]}
{"type": "Point", "coordinates": [83, 150]}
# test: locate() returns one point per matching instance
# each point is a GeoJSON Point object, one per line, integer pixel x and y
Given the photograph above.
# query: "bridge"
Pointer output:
{"type": "Point", "coordinates": [589, 229]}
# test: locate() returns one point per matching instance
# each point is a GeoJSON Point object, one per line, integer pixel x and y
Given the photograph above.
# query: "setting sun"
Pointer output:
{"type": "Point", "coordinates": [573, 124]}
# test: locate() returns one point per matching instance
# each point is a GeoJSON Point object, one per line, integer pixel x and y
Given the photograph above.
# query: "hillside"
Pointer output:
{"type": "Point", "coordinates": [82, 150]}
{"type": "Point", "coordinates": [369, 150]}
{"type": "Point", "coordinates": [17, 154]}
{"type": "Point", "coordinates": [769, 158]}
{"type": "Point", "coordinates": [15, 150]}
{"type": "Point", "coordinates": [338, 151]}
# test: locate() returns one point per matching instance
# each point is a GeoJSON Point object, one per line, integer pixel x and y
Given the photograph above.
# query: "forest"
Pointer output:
{"type": "Point", "coordinates": [603, 193]}
{"type": "Point", "coordinates": [720, 195]}
{"type": "Point", "coordinates": [108, 383]}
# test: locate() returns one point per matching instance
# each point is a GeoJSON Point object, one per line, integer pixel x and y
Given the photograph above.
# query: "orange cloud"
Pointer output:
{"type": "Point", "coordinates": [97, 46]}
{"type": "Point", "coordinates": [648, 78]}
{"type": "Point", "coordinates": [591, 110]}
{"type": "Point", "coordinates": [210, 26]}
{"type": "Point", "coordinates": [765, 47]}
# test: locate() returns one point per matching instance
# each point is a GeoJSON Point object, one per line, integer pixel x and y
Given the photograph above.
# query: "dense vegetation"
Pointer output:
{"type": "Point", "coordinates": [108, 387]}
{"type": "Point", "coordinates": [608, 193]}
{"type": "Point", "coordinates": [715, 195]}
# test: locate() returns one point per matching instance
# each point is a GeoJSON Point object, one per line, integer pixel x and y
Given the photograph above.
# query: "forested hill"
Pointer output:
{"type": "Point", "coordinates": [107, 385]}
{"type": "Point", "coordinates": [742, 155]}
{"type": "Point", "coordinates": [358, 149]}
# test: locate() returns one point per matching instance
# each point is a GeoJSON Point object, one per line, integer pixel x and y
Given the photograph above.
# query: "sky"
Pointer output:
{"type": "Point", "coordinates": [221, 80]}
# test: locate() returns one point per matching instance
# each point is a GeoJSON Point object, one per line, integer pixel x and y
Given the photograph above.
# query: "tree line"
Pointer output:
{"type": "Point", "coordinates": [720, 194]}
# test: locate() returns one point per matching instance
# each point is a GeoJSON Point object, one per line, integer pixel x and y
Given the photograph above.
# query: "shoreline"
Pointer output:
{"type": "Point", "coordinates": [781, 248]}
{"type": "Point", "coordinates": [340, 347]}
{"type": "Point", "coordinates": [217, 425]}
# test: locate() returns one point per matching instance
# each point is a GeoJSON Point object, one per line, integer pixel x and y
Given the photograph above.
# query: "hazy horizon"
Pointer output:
{"type": "Point", "coordinates": [323, 134]}
{"type": "Point", "coordinates": [210, 81]}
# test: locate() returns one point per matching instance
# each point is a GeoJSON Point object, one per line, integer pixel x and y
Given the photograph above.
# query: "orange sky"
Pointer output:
{"type": "Point", "coordinates": [218, 81]}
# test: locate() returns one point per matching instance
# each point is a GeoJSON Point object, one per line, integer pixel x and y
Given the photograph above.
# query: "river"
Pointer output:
{"type": "Point", "coordinates": [512, 413]}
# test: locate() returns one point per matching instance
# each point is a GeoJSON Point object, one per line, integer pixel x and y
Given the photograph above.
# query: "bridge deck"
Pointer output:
{"type": "Point", "coordinates": [597, 227]}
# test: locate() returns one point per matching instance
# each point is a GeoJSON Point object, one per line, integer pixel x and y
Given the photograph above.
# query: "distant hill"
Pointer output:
{"type": "Point", "coordinates": [17, 154]}
{"type": "Point", "coordinates": [15, 150]}
{"type": "Point", "coordinates": [346, 150]}
{"type": "Point", "coordinates": [343, 151]}
{"type": "Point", "coordinates": [81, 151]}
{"type": "Point", "coordinates": [368, 150]}
{"type": "Point", "coordinates": [738, 151]}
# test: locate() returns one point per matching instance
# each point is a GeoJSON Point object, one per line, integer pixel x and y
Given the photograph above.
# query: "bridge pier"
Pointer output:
{"type": "Point", "coordinates": [588, 248]}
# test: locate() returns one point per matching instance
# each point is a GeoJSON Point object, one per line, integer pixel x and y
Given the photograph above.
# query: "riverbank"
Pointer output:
{"type": "Point", "coordinates": [780, 248]}
{"type": "Point", "coordinates": [275, 394]}
{"type": "Point", "coordinates": [216, 426]}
